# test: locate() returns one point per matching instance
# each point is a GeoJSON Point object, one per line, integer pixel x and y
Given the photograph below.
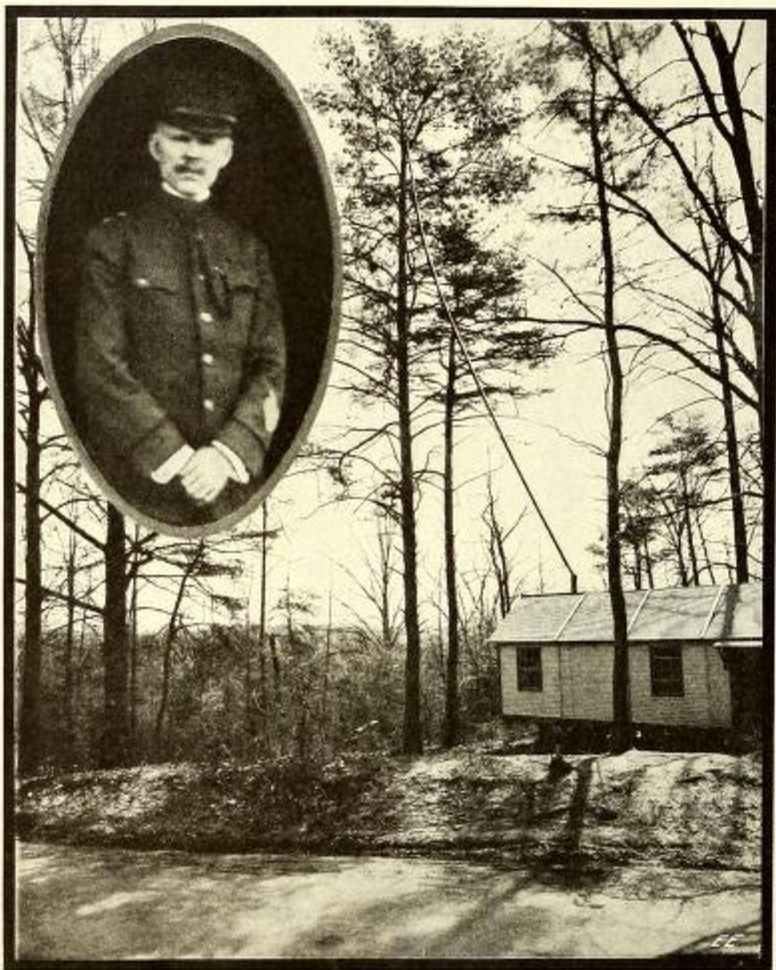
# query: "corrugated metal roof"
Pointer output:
{"type": "Point", "coordinates": [682, 613]}
{"type": "Point", "coordinates": [593, 619]}
{"type": "Point", "coordinates": [541, 617]}
{"type": "Point", "coordinates": [675, 614]}
{"type": "Point", "coordinates": [738, 613]}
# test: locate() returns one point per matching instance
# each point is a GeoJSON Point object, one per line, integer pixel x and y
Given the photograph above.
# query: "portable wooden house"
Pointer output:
{"type": "Point", "coordinates": [694, 656]}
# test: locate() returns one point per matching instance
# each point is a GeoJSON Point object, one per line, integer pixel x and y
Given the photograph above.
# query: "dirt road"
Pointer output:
{"type": "Point", "coordinates": [89, 903]}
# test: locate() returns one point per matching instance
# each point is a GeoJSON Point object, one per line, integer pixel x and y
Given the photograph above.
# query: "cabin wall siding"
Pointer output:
{"type": "Point", "coordinates": [577, 681]}
{"type": "Point", "coordinates": [692, 708]}
{"type": "Point", "coordinates": [528, 703]}
{"type": "Point", "coordinates": [587, 681]}
{"type": "Point", "coordinates": [719, 684]}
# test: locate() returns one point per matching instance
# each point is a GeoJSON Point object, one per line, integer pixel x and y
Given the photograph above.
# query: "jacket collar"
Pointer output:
{"type": "Point", "coordinates": [187, 211]}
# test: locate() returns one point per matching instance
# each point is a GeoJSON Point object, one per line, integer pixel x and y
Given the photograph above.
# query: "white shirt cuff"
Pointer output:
{"type": "Point", "coordinates": [173, 466]}
{"type": "Point", "coordinates": [239, 471]}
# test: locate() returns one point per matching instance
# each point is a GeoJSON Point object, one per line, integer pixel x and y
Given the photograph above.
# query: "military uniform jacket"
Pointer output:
{"type": "Point", "coordinates": [180, 341]}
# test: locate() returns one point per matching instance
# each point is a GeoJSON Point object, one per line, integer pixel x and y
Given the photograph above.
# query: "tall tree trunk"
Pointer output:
{"type": "Point", "coordinates": [289, 613]}
{"type": "Point", "coordinates": [30, 735]}
{"type": "Point", "coordinates": [498, 552]}
{"type": "Point", "coordinates": [326, 671]}
{"type": "Point", "coordinates": [648, 564]}
{"type": "Point", "coordinates": [684, 576]}
{"type": "Point", "coordinates": [621, 737]}
{"type": "Point", "coordinates": [740, 545]}
{"type": "Point", "coordinates": [263, 610]}
{"type": "Point", "coordinates": [276, 675]}
{"type": "Point", "coordinates": [249, 707]}
{"type": "Point", "coordinates": [704, 545]}
{"type": "Point", "coordinates": [731, 576]}
{"type": "Point", "coordinates": [133, 659]}
{"type": "Point", "coordinates": [690, 532]}
{"type": "Point", "coordinates": [681, 564]}
{"type": "Point", "coordinates": [115, 735]}
{"type": "Point", "coordinates": [301, 731]}
{"type": "Point", "coordinates": [172, 630]}
{"type": "Point", "coordinates": [675, 527]}
{"type": "Point", "coordinates": [250, 687]}
{"type": "Point", "coordinates": [413, 738]}
{"type": "Point", "coordinates": [451, 733]}
{"type": "Point", "coordinates": [637, 567]}
{"type": "Point", "coordinates": [384, 543]}
{"type": "Point", "coordinates": [68, 731]}
{"type": "Point", "coordinates": [742, 158]}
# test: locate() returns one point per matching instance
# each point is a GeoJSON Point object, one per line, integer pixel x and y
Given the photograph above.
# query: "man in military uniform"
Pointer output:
{"type": "Point", "coordinates": [180, 343]}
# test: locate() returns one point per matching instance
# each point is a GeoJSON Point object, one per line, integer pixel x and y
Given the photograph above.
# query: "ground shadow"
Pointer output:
{"type": "Point", "coordinates": [564, 853]}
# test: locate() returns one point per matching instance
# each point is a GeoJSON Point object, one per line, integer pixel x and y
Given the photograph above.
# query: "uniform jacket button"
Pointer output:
{"type": "Point", "coordinates": [208, 359]}
{"type": "Point", "coordinates": [208, 404]}
{"type": "Point", "coordinates": [206, 317]}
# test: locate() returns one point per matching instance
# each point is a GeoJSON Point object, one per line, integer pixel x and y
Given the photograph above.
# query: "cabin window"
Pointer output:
{"type": "Point", "coordinates": [529, 668]}
{"type": "Point", "coordinates": [665, 664]}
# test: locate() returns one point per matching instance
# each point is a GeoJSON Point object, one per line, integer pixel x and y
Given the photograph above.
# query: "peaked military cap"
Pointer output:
{"type": "Point", "coordinates": [199, 98]}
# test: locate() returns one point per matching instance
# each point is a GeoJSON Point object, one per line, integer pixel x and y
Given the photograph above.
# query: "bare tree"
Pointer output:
{"type": "Point", "coordinates": [392, 99]}
{"type": "Point", "coordinates": [192, 558]}
{"type": "Point", "coordinates": [621, 738]}
{"type": "Point", "coordinates": [35, 391]}
{"type": "Point", "coordinates": [45, 113]}
{"type": "Point", "coordinates": [497, 538]}
{"type": "Point", "coordinates": [375, 581]}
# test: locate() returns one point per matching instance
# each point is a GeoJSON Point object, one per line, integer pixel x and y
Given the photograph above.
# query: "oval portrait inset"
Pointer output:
{"type": "Point", "coordinates": [188, 279]}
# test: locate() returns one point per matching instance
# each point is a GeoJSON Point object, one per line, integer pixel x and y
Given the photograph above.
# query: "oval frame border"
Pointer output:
{"type": "Point", "coordinates": [250, 49]}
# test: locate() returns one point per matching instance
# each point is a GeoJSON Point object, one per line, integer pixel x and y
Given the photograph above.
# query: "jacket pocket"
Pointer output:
{"type": "Point", "coordinates": [147, 277]}
{"type": "Point", "coordinates": [157, 305]}
{"type": "Point", "coordinates": [241, 277]}
{"type": "Point", "coordinates": [239, 284]}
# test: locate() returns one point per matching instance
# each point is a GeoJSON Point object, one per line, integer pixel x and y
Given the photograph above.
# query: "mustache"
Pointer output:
{"type": "Point", "coordinates": [183, 168]}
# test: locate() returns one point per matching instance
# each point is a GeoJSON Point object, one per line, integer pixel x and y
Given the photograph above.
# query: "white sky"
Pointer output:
{"type": "Point", "coordinates": [567, 478]}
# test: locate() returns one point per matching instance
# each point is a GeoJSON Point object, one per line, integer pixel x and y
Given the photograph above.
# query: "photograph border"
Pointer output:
{"type": "Point", "coordinates": [589, 12]}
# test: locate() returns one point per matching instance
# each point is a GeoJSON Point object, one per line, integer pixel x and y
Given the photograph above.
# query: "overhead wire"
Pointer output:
{"type": "Point", "coordinates": [477, 382]}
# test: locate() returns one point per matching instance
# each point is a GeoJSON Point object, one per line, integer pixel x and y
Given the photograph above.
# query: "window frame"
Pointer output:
{"type": "Point", "coordinates": [666, 670]}
{"type": "Point", "coordinates": [530, 673]}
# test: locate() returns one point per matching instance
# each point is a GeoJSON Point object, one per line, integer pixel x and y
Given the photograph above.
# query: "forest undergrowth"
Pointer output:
{"type": "Point", "coordinates": [699, 810]}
